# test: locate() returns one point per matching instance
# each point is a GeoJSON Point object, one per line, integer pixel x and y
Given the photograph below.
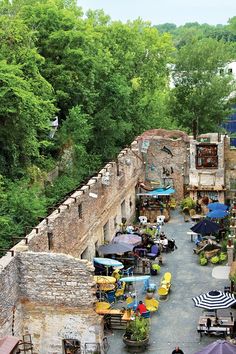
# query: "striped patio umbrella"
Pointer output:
{"type": "Point", "coordinates": [214, 300]}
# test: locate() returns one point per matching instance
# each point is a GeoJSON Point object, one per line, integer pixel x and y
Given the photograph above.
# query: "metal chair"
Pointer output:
{"type": "Point", "coordinates": [142, 220]}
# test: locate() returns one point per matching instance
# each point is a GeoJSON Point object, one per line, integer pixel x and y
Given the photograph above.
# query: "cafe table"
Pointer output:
{"type": "Point", "coordinates": [223, 324]}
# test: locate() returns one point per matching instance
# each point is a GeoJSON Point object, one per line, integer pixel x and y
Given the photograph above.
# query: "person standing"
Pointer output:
{"type": "Point", "coordinates": [177, 350]}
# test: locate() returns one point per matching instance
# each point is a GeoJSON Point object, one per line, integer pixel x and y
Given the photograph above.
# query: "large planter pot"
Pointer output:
{"type": "Point", "coordinates": [134, 343]}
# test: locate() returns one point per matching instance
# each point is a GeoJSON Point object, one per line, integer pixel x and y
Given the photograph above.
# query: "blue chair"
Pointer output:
{"type": "Point", "coordinates": [128, 272]}
{"type": "Point", "coordinates": [146, 314]}
{"type": "Point", "coordinates": [110, 295]}
{"type": "Point", "coordinates": [154, 252]}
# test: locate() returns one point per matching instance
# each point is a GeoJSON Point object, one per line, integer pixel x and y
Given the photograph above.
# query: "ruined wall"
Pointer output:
{"type": "Point", "coordinates": [230, 169]}
{"type": "Point", "coordinates": [166, 159]}
{"type": "Point", "coordinates": [92, 214]}
{"type": "Point", "coordinates": [54, 298]}
{"type": "Point", "coordinates": [10, 308]}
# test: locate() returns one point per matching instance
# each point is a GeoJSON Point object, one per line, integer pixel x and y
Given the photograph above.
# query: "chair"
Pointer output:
{"type": "Point", "coordinates": [120, 292]}
{"type": "Point", "coordinates": [146, 314]}
{"type": "Point", "coordinates": [142, 220]}
{"type": "Point", "coordinates": [111, 296]}
{"type": "Point", "coordinates": [161, 219]}
{"type": "Point", "coordinates": [165, 285]}
{"type": "Point", "coordinates": [128, 272]}
{"type": "Point", "coordinates": [154, 252]}
{"type": "Point", "coordinates": [151, 304]}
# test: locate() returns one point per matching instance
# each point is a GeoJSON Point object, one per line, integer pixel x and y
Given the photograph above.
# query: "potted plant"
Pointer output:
{"type": "Point", "coordinates": [137, 332]}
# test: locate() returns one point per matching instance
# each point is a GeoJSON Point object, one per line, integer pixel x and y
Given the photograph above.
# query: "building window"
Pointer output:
{"type": "Point", "coordinates": [71, 346]}
{"type": "Point", "coordinates": [206, 156]}
{"type": "Point", "coordinates": [80, 210]}
{"type": "Point", "coordinates": [232, 184]}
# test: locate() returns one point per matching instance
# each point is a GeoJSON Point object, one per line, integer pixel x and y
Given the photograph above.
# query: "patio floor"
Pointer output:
{"type": "Point", "coordinates": [176, 320]}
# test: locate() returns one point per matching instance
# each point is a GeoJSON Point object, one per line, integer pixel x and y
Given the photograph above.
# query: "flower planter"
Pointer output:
{"type": "Point", "coordinates": [134, 343]}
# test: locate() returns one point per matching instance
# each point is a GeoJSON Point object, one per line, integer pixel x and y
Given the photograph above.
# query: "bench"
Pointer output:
{"type": "Point", "coordinates": [213, 329]}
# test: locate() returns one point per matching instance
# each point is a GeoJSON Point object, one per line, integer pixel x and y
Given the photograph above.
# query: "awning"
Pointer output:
{"type": "Point", "coordinates": [158, 192]}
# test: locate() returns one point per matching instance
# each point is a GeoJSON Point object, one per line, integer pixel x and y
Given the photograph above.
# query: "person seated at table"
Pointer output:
{"type": "Point", "coordinates": [141, 308]}
{"type": "Point", "coordinates": [163, 243]}
{"type": "Point", "coordinates": [208, 323]}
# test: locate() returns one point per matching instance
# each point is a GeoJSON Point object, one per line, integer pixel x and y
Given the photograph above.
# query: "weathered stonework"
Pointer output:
{"type": "Point", "coordinates": [46, 289]}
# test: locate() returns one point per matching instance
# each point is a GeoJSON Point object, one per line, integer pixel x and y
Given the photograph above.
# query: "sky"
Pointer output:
{"type": "Point", "coordinates": [161, 11]}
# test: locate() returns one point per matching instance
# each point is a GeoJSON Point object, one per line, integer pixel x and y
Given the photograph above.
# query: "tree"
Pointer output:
{"type": "Point", "coordinates": [200, 99]}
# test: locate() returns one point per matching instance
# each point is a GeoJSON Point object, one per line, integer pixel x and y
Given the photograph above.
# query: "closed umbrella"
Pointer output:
{"type": "Point", "coordinates": [217, 214]}
{"type": "Point", "coordinates": [219, 347]}
{"type": "Point", "coordinates": [115, 248]}
{"type": "Point", "coordinates": [131, 239]}
{"type": "Point", "coordinates": [214, 300]}
{"type": "Point", "coordinates": [217, 206]}
{"type": "Point", "coordinates": [205, 227]}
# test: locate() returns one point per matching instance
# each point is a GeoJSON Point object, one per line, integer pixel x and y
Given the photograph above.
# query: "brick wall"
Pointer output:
{"type": "Point", "coordinates": [230, 168]}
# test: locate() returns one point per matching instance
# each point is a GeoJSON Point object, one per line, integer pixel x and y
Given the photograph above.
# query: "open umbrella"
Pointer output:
{"type": "Point", "coordinates": [107, 262]}
{"type": "Point", "coordinates": [205, 227]}
{"type": "Point", "coordinates": [115, 248]}
{"type": "Point", "coordinates": [131, 239]}
{"type": "Point", "coordinates": [217, 206]}
{"type": "Point", "coordinates": [214, 300]}
{"type": "Point", "coordinates": [134, 279]}
{"type": "Point", "coordinates": [217, 214]}
{"type": "Point", "coordinates": [218, 347]}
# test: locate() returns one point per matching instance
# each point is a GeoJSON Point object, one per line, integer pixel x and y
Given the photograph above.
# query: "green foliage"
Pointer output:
{"type": "Point", "coordinates": [188, 203]}
{"type": "Point", "coordinates": [222, 257]}
{"type": "Point", "coordinates": [224, 246]}
{"type": "Point", "coordinates": [21, 206]}
{"type": "Point", "coordinates": [215, 259]}
{"type": "Point", "coordinates": [138, 329]}
{"type": "Point", "coordinates": [200, 97]}
{"type": "Point", "coordinates": [156, 267]}
{"type": "Point", "coordinates": [203, 261]}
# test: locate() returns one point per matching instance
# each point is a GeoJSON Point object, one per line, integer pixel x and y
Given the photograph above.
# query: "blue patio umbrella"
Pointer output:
{"type": "Point", "coordinates": [107, 262]}
{"type": "Point", "coordinates": [205, 227]}
{"type": "Point", "coordinates": [134, 279]}
{"type": "Point", "coordinates": [217, 206]}
{"type": "Point", "coordinates": [217, 214]}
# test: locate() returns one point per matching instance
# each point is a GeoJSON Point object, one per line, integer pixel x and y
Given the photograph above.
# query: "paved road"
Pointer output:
{"type": "Point", "coordinates": [176, 320]}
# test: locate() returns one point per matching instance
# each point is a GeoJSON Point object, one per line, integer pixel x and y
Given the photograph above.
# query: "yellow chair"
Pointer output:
{"type": "Point", "coordinates": [120, 292]}
{"type": "Point", "coordinates": [102, 305]}
{"type": "Point", "coordinates": [151, 304]}
{"type": "Point", "coordinates": [165, 284]}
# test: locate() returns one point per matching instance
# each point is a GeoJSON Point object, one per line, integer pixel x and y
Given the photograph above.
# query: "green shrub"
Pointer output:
{"type": "Point", "coordinates": [222, 257]}
{"type": "Point", "coordinates": [156, 267]}
{"type": "Point", "coordinates": [215, 259]}
{"type": "Point", "coordinates": [203, 261]}
{"type": "Point", "coordinates": [187, 203]}
{"type": "Point", "coordinates": [224, 246]}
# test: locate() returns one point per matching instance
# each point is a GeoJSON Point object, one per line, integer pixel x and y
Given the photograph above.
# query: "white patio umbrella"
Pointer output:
{"type": "Point", "coordinates": [214, 300]}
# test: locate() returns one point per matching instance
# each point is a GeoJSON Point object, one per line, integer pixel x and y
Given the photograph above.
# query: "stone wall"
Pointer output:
{"type": "Point", "coordinates": [10, 308]}
{"type": "Point", "coordinates": [53, 297]}
{"type": "Point", "coordinates": [92, 214]}
{"type": "Point", "coordinates": [166, 159]}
